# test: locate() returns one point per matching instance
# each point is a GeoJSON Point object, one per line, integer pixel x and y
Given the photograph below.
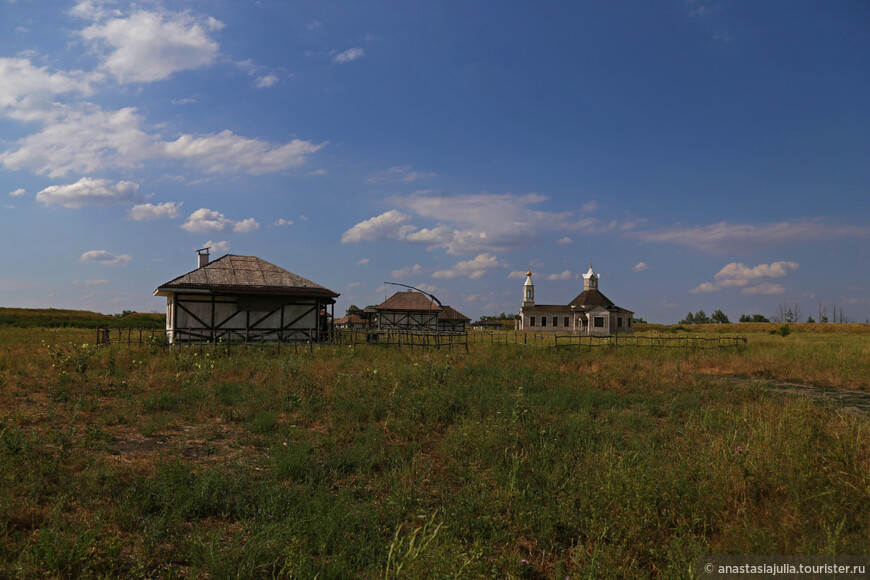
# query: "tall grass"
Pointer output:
{"type": "Point", "coordinates": [375, 463]}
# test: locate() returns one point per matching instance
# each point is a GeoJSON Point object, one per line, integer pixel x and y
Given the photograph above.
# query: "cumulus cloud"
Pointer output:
{"type": "Point", "coordinates": [565, 241]}
{"type": "Point", "coordinates": [565, 275]}
{"type": "Point", "coordinates": [749, 279]}
{"type": "Point", "coordinates": [474, 224]}
{"type": "Point", "coordinates": [282, 222]}
{"type": "Point", "coordinates": [152, 46]}
{"type": "Point", "coordinates": [106, 258]}
{"type": "Point", "coordinates": [81, 137]}
{"type": "Point", "coordinates": [349, 55]}
{"type": "Point", "coordinates": [640, 267]}
{"type": "Point", "coordinates": [18, 192]}
{"type": "Point", "coordinates": [227, 151]}
{"type": "Point", "coordinates": [267, 81]}
{"type": "Point", "coordinates": [151, 211]}
{"type": "Point", "coordinates": [472, 269]}
{"type": "Point", "coordinates": [362, 261]}
{"type": "Point", "coordinates": [217, 247]}
{"type": "Point", "coordinates": [26, 91]}
{"type": "Point", "coordinates": [517, 275]}
{"type": "Point", "coordinates": [381, 227]}
{"type": "Point", "coordinates": [87, 191]}
{"type": "Point", "coordinates": [98, 282]}
{"type": "Point", "coordinates": [207, 220]}
{"type": "Point", "coordinates": [731, 238]}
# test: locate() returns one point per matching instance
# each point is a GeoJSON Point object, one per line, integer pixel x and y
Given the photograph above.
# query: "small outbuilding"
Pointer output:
{"type": "Point", "coordinates": [245, 298]}
{"type": "Point", "coordinates": [410, 310]}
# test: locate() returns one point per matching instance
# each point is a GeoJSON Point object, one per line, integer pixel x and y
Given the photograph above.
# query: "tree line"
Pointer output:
{"type": "Point", "coordinates": [787, 312]}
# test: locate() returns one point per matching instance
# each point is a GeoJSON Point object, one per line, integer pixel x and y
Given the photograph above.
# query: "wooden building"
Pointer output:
{"type": "Point", "coordinates": [591, 312]}
{"type": "Point", "coordinates": [245, 298]}
{"type": "Point", "coordinates": [410, 310]}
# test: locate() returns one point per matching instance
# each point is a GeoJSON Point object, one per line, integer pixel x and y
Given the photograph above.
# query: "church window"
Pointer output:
{"type": "Point", "coordinates": [598, 322]}
{"type": "Point", "coordinates": [555, 321]}
{"type": "Point", "coordinates": [531, 320]}
{"type": "Point", "coordinates": [543, 321]}
{"type": "Point", "coordinates": [619, 322]}
{"type": "Point", "coordinates": [566, 321]}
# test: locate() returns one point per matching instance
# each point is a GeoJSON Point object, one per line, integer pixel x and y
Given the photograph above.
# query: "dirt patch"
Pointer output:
{"type": "Point", "coordinates": [852, 401]}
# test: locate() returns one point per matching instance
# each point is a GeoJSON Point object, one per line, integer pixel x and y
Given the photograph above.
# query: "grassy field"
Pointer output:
{"type": "Point", "coordinates": [506, 462]}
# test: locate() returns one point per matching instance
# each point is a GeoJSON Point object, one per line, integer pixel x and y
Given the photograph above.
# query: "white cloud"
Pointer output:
{"type": "Point", "coordinates": [245, 226]}
{"type": "Point", "coordinates": [398, 175]}
{"type": "Point", "coordinates": [26, 91]}
{"type": "Point", "coordinates": [18, 192]}
{"type": "Point", "coordinates": [349, 55]}
{"type": "Point", "coordinates": [207, 220]}
{"type": "Point", "coordinates": [282, 222]}
{"type": "Point", "coordinates": [517, 275]}
{"type": "Point", "coordinates": [566, 275]}
{"type": "Point", "coordinates": [98, 282]}
{"type": "Point", "coordinates": [150, 211]}
{"type": "Point", "coordinates": [105, 258]}
{"type": "Point", "coordinates": [382, 227]}
{"type": "Point", "coordinates": [319, 172]}
{"type": "Point", "coordinates": [217, 247]}
{"type": "Point", "coordinates": [151, 46]}
{"type": "Point", "coordinates": [738, 270]}
{"type": "Point", "coordinates": [266, 81]}
{"type": "Point", "coordinates": [723, 237]}
{"type": "Point", "coordinates": [565, 241]}
{"type": "Point", "coordinates": [640, 267]}
{"type": "Point", "coordinates": [226, 151]}
{"type": "Point", "coordinates": [362, 261]}
{"type": "Point", "coordinates": [87, 191]}
{"type": "Point", "coordinates": [82, 140]}
{"type": "Point", "coordinates": [739, 275]}
{"type": "Point", "coordinates": [471, 224]}
{"type": "Point", "coordinates": [705, 288]}
{"type": "Point", "coordinates": [407, 272]}
{"type": "Point", "coordinates": [472, 269]}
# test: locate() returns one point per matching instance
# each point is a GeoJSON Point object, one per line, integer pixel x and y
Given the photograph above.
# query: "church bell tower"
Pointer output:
{"type": "Point", "coordinates": [528, 291]}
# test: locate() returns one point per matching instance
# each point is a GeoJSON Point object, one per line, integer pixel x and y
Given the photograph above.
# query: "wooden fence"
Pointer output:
{"type": "Point", "coordinates": [402, 338]}
{"type": "Point", "coordinates": [550, 339]}
{"type": "Point", "coordinates": [307, 338]}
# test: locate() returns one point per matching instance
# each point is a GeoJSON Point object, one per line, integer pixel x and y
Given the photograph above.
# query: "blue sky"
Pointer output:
{"type": "Point", "coordinates": [701, 154]}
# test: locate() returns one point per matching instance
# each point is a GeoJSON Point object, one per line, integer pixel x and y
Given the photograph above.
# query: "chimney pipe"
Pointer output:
{"type": "Point", "coordinates": [202, 257]}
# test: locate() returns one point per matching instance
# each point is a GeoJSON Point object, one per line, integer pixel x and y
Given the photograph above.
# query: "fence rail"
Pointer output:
{"type": "Point", "coordinates": [405, 339]}
{"type": "Point", "coordinates": [549, 339]}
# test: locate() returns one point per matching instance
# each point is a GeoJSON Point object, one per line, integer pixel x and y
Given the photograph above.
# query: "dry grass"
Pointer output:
{"type": "Point", "coordinates": [506, 462]}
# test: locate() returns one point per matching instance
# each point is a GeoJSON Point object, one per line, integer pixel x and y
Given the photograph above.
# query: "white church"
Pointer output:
{"type": "Point", "coordinates": [591, 312]}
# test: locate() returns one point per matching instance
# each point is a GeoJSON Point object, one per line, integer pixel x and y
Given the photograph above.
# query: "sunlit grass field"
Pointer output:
{"type": "Point", "coordinates": [367, 462]}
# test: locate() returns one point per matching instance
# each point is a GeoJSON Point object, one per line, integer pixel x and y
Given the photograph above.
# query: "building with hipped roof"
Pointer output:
{"type": "Point", "coordinates": [410, 310]}
{"type": "Point", "coordinates": [591, 312]}
{"type": "Point", "coordinates": [245, 298]}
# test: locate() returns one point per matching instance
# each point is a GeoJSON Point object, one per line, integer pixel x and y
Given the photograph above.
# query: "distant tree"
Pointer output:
{"type": "Point", "coordinates": [719, 317]}
{"type": "Point", "coordinates": [745, 318]}
{"type": "Point", "coordinates": [702, 318]}
{"type": "Point", "coordinates": [124, 313]}
{"type": "Point", "coordinates": [351, 309]}
{"type": "Point", "coordinates": [638, 320]}
{"type": "Point", "coordinates": [810, 320]}
{"type": "Point", "coordinates": [689, 319]}
{"type": "Point", "coordinates": [788, 312]}
{"type": "Point", "coordinates": [759, 318]}
{"type": "Point", "coordinates": [823, 313]}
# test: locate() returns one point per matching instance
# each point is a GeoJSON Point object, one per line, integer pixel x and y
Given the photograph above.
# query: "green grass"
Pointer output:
{"type": "Point", "coordinates": [506, 462]}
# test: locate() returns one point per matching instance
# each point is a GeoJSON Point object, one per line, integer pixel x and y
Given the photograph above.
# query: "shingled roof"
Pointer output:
{"type": "Point", "coordinates": [590, 298]}
{"type": "Point", "coordinates": [450, 313]}
{"type": "Point", "coordinates": [244, 275]}
{"type": "Point", "coordinates": [409, 300]}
